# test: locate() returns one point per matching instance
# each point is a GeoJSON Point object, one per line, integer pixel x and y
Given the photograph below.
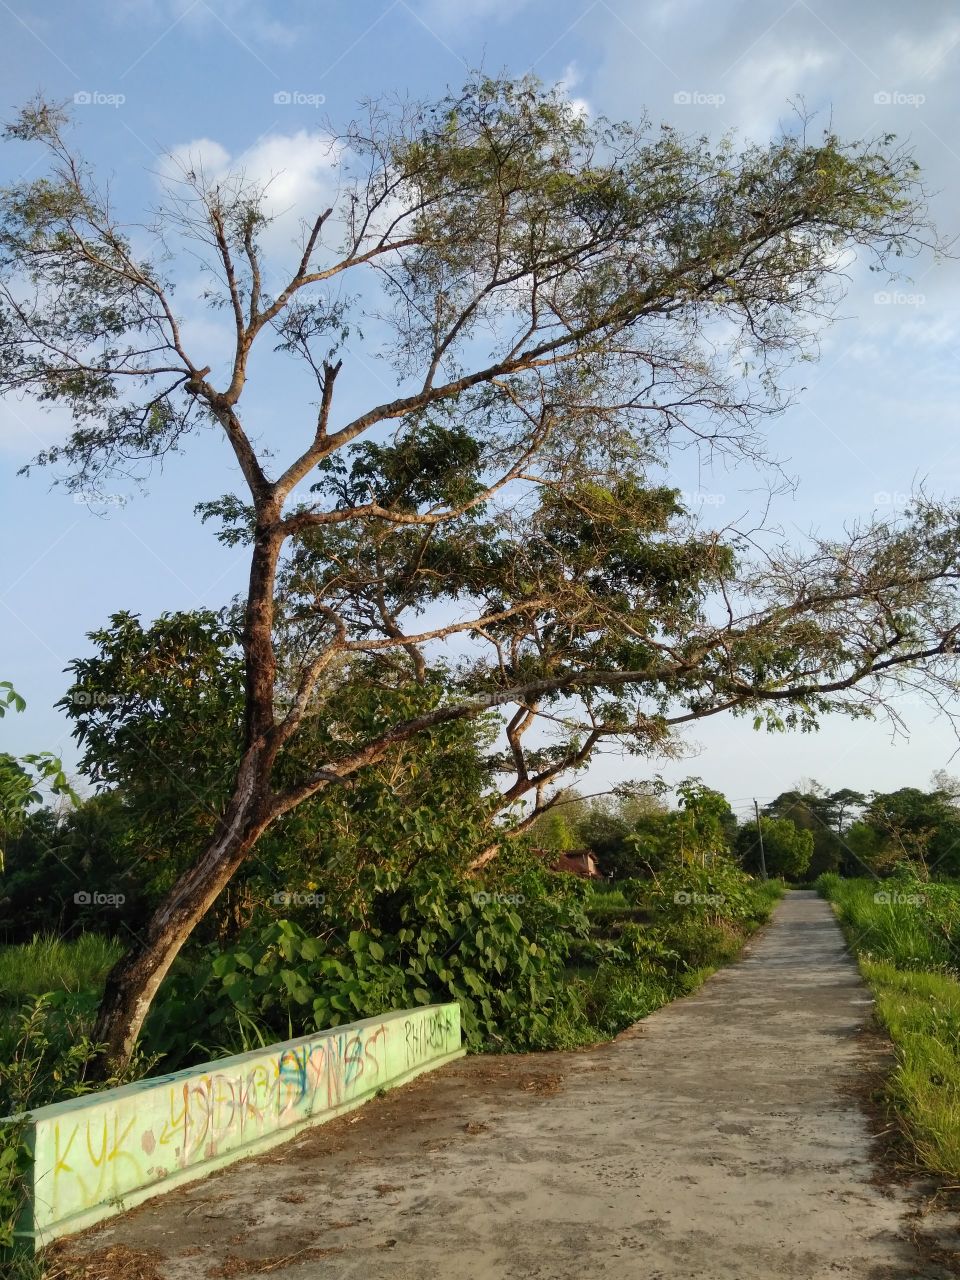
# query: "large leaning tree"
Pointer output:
{"type": "Point", "coordinates": [557, 304]}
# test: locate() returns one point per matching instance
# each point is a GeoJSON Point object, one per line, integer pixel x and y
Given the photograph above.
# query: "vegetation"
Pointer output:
{"type": "Point", "coordinates": [51, 964]}
{"type": "Point", "coordinates": [905, 931]}
{"type": "Point", "coordinates": [778, 845]}
{"type": "Point", "coordinates": [21, 779]}
{"type": "Point", "coordinates": [343, 792]}
{"type": "Point", "coordinates": [547, 286]}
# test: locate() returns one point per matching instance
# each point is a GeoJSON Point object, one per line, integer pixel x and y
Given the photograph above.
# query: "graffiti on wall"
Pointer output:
{"type": "Point", "coordinates": [428, 1036]}
{"type": "Point", "coordinates": [149, 1136]}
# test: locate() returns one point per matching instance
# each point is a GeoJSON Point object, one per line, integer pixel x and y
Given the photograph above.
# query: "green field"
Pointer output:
{"type": "Point", "coordinates": [906, 936]}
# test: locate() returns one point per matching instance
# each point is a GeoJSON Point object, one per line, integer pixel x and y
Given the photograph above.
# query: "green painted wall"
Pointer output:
{"type": "Point", "coordinates": [101, 1154]}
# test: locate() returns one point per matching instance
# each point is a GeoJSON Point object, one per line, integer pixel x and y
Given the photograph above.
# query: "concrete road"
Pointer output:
{"type": "Point", "coordinates": [723, 1137]}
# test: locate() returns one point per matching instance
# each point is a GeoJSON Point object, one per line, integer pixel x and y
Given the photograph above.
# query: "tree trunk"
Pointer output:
{"type": "Point", "coordinates": [134, 980]}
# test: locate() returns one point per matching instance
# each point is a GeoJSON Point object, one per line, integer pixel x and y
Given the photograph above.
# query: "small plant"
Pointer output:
{"type": "Point", "coordinates": [47, 1057]}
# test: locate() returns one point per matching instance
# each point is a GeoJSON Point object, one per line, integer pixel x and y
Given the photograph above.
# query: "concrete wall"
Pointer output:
{"type": "Point", "coordinates": [101, 1154]}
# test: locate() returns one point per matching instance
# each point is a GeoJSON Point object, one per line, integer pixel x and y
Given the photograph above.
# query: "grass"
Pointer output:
{"type": "Point", "coordinates": [921, 1013]}
{"type": "Point", "coordinates": [893, 921]}
{"type": "Point", "coordinates": [907, 953]}
{"type": "Point", "coordinates": [641, 954]}
{"type": "Point", "coordinates": [48, 963]}
{"type": "Point", "coordinates": [49, 988]}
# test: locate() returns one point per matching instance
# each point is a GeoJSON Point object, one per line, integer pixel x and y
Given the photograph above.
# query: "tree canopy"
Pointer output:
{"type": "Point", "coordinates": [561, 302]}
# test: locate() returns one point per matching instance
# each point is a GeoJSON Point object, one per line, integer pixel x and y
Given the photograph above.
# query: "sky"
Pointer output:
{"type": "Point", "coordinates": [244, 82]}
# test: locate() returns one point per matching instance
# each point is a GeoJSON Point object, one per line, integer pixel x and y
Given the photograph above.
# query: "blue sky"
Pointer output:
{"type": "Point", "coordinates": [879, 412]}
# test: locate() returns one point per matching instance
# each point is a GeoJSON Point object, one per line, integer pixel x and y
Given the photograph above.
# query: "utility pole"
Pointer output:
{"type": "Point", "coordinates": [763, 860]}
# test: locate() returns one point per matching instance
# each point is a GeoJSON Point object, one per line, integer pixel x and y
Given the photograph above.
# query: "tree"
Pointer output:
{"type": "Point", "coordinates": [626, 829]}
{"type": "Point", "coordinates": [826, 816]}
{"type": "Point", "coordinates": [787, 848]}
{"type": "Point", "coordinates": [22, 779]}
{"type": "Point", "coordinates": [158, 711]}
{"type": "Point", "coordinates": [549, 290]}
{"type": "Point", "coordinates": [704, 823]}
{"type": "Point", "coordinates": [909, 825]}
{"type": "Point", "coordinates": [553, 831]}
{"type": "Point", "coordinates": [55, 856]}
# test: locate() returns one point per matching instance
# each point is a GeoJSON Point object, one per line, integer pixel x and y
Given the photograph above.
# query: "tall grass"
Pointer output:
{"type": "Point", "coordinates": [904, 935]}
{"type": "Point", "coordinates": [48, 963]}
{"type": "Point", "coordinates": [899, 921]}
{"type": "Point", "coordinates": [51, 987]}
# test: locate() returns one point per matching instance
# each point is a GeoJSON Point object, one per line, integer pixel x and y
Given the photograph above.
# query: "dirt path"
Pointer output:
{"type": "Point", "coordinates": [720, 1138]}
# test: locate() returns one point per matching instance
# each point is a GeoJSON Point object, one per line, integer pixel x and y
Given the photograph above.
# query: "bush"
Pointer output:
{"type": "Point", "coordinates": [702, 945]}
{"type": "Point", "coordinates": [399, 942]}
{"type": "Point", "coordinates": [716, 891]}
{"type": "Point", "coordinates": [619, 995]}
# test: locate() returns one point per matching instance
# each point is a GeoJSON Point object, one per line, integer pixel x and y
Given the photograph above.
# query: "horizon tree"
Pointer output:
{"type": "Point", "coordinates": [827, 815]}
{"type": "Point", "coordinates": [788, 847]}
{"type": "Point", "coordinates": [562, 302]}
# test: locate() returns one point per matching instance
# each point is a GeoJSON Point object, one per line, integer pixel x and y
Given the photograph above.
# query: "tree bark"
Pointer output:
{"type": "Point", "coordinates": [133, 982]}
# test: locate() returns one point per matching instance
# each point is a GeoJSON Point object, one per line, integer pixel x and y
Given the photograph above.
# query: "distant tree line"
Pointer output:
{"type": "Point", "coordinates": [805, 831]}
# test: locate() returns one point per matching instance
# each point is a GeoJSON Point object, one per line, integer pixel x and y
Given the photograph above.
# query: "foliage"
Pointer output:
{"type": "Point", "coordinates": [664, 937]}
{"type": "Point", "coordinates": [158, 712]}
{"type": "Point", "coordinates": [787, 848]}
{"type": "Point", "coordinates": [88, 849]}
{"type": "Point", "coordinates": [555, 830]}
{"type": "Point", "coordinates": [910, 827]}
{"type": "Point", "coordinates": [698, 830]}
{"type": "Point", "coordinates": [828, 815]}
{"type": "Point", "coordinates": [49, 963]}
{"type": "Point", "coordinates": [22, 779]}
{"type": "Point", "coordinates": [46, 1055]}
{"type": "Point", "coordinates": [714, 891]}
{"type": "Point", "coordinates": [907, 920]}
{"type": "Point", "coordinates": [393, 942]}
{"type": "Point", "coordinates": [548, 287]}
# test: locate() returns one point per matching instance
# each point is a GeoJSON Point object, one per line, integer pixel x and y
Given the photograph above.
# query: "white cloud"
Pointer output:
{"type": "Point", "coordinates": [766, 81]}
{"type": "Point", "coordinates": [916, 56]}
{"type": "Point", "coordinates": [248, 21]}
{"type": "Point", "coordinates": [295, 172]}
{"type": "Point", "coordinates": [568, 81]}
{"type": "Point", "coordinates": [293, 168]}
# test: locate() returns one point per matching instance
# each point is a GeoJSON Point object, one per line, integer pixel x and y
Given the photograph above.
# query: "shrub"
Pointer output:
{"type": "Point", "coordinates": [715, 891]}
{"type": "Point", "coordinates": [46, 1056]}
{"type": "Point", "coordinates": [399, 942]}
{"type": "Point", "coordinates": [619, 995]}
